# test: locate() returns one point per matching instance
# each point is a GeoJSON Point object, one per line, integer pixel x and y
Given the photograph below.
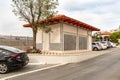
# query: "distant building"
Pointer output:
{"type": "Point", "coordinates": [104, 35]}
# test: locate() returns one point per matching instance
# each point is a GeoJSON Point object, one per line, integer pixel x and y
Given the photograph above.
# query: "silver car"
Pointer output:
{"type": "Point", "coordinates": [96, 46]}
{"type": "Point", "coordinates": [107, 43]}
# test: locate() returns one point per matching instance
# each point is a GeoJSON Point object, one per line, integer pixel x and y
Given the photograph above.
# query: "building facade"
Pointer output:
{"type": "Point", "coordinates": [67, 35]}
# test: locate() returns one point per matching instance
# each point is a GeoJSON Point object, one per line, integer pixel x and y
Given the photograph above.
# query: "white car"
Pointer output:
{"type": "Point", "coordinates": [104, 46]}
{"type": "Point", "coordinates": [96, 46]}
{"type": "Point", "coordinates": [106, 43]}
{"type": "Point", "coordinates": [112, 44]}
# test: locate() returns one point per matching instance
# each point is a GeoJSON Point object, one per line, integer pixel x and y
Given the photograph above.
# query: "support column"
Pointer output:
{"type": "Point", "coordinates": [90, 41]}
{"type": "Point", "coordinates": [61, 36]}
{"type": "Point", "coordinates": [77, 40]}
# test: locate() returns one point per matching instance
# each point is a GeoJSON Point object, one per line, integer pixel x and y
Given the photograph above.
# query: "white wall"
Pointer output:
{"type": "Point", "coordinates": [69, 28]}
{"type": "Point", "coordinates": [72, 30]}
{"type": "Point", "coordinates": [46, 41]}
{"type": "Point", "coordinates": [90, 40]}
{"type": "Point", "coordinates": [39, 36]}
{"type": "Point", "coordinates": [55, 34]}
{"type": "Point", "coordinates": [82, 31]}
{"type": "Point", "coordinates": [52, 37]}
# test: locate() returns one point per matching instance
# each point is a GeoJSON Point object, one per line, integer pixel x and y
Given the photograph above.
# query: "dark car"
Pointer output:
{"type": "Point", "coordinates": [12, 58]}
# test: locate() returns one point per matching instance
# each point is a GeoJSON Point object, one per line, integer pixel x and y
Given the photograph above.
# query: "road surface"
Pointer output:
{"type": "Point", "coordinates": [105, 67]}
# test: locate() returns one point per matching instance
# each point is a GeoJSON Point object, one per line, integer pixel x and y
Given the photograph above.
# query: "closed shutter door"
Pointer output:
{"type": "Point", "coordinates": [82, 43]}
{"type": "Point", "coordinates": [69, 42]}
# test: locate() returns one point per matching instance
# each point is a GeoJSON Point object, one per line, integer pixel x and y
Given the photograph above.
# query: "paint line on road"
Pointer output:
{"type": "Point", "coordinates": [5, 78]}
{"type": "Point", "coordinates": [2, 79]}
{"type": "Point", "coordinates": [36, 63]}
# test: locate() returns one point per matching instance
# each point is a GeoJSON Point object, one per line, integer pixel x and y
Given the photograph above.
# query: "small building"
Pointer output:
{"type": "Point", "coordinates": [68, 35]}
{"type": "Point", "coordinates": [104, 36]}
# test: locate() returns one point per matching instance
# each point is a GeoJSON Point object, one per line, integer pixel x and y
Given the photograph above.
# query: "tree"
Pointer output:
{"type": "Point", "coordinates": [115, 36]}
{"type": "Point", "coordinates": [96, 36]}
{"type": "Point", "coordinates": [106, 38]}
{"type": "Point", "coordinates": [34, 11]}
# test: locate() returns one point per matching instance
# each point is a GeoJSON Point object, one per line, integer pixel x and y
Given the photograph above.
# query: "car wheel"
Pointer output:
{"type": "Point", "coordinates": [96, 49]}
{"type": "Point", "coordinates": [4, 68]}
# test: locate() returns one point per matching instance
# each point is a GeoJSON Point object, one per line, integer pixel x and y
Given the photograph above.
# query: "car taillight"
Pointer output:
{"type": "Point", "coordinates": [15, 56]}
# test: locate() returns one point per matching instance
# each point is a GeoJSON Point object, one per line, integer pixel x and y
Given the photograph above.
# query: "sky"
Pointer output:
{"type": "Point", "coordinates": [103, 14]}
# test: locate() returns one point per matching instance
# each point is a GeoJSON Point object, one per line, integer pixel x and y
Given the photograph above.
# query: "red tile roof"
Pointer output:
{"type": "Point", "coordinates": [63, 18]}
{"type": "Point", "coordinates": [105, 33]}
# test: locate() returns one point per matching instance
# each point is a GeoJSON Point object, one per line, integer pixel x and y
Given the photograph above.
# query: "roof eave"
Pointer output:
{"type": "Point", "coordinates": [64, 18]}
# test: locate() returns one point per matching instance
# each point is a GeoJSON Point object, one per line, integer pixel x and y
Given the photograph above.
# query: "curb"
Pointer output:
{"type": "Point", "coordinates": [40, 59]}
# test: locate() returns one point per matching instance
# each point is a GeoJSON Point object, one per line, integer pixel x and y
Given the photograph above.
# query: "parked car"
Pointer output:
{"type": "Point", "coordinates": [107, 43]}
{"type": "Point", "coordinates": [12, 58]}
{"type": "Point", "coordinates": [112, 44]}
{"type": "Point", "coordinates": [96, 46]}
{"type": "Point", "coordinates": [103, 46]}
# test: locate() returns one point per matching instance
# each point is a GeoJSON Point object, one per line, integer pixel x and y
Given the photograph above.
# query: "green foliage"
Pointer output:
{"type": "Point", "coordinates": [34, 51]}
{"type": "Point", "coordinates": [106, 38]}
{"type": "Point", "coordinates": [115, 36]}
{"type": "Point", "coordinates": [33, 11]}
{"type": "Point", "coordinates": [96, 38]}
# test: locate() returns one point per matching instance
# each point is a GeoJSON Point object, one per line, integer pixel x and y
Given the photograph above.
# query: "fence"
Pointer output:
{"type": "Point", "coordinates": [21, 44]}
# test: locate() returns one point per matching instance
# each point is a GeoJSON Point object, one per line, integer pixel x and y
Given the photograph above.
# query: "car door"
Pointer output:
{"type": "Point", "coordinates": [1, 54]}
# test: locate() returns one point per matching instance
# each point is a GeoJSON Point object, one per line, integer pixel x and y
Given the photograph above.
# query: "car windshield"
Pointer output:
{"type": "Point", "coordinates": [102, 42]}
{"type": "Point", "coordinates": [12, 49]}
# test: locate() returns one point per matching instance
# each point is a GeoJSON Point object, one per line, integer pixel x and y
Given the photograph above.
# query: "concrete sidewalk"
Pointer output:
{"type": "Point", "coordinates": [69, 58]}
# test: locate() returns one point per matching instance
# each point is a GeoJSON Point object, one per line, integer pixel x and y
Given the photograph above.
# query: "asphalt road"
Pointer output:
{"type": "Point", "coordinates": [24, 70]}
{"type": "Point", "coordinates": [105, 67]}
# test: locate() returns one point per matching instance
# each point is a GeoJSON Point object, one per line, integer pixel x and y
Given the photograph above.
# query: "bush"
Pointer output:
{"type": "Point", "coordinates": [33, 51]}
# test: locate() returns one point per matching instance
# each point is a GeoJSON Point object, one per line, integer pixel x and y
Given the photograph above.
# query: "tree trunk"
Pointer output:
{"type": "Point", "coordinates": [34, 38]}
